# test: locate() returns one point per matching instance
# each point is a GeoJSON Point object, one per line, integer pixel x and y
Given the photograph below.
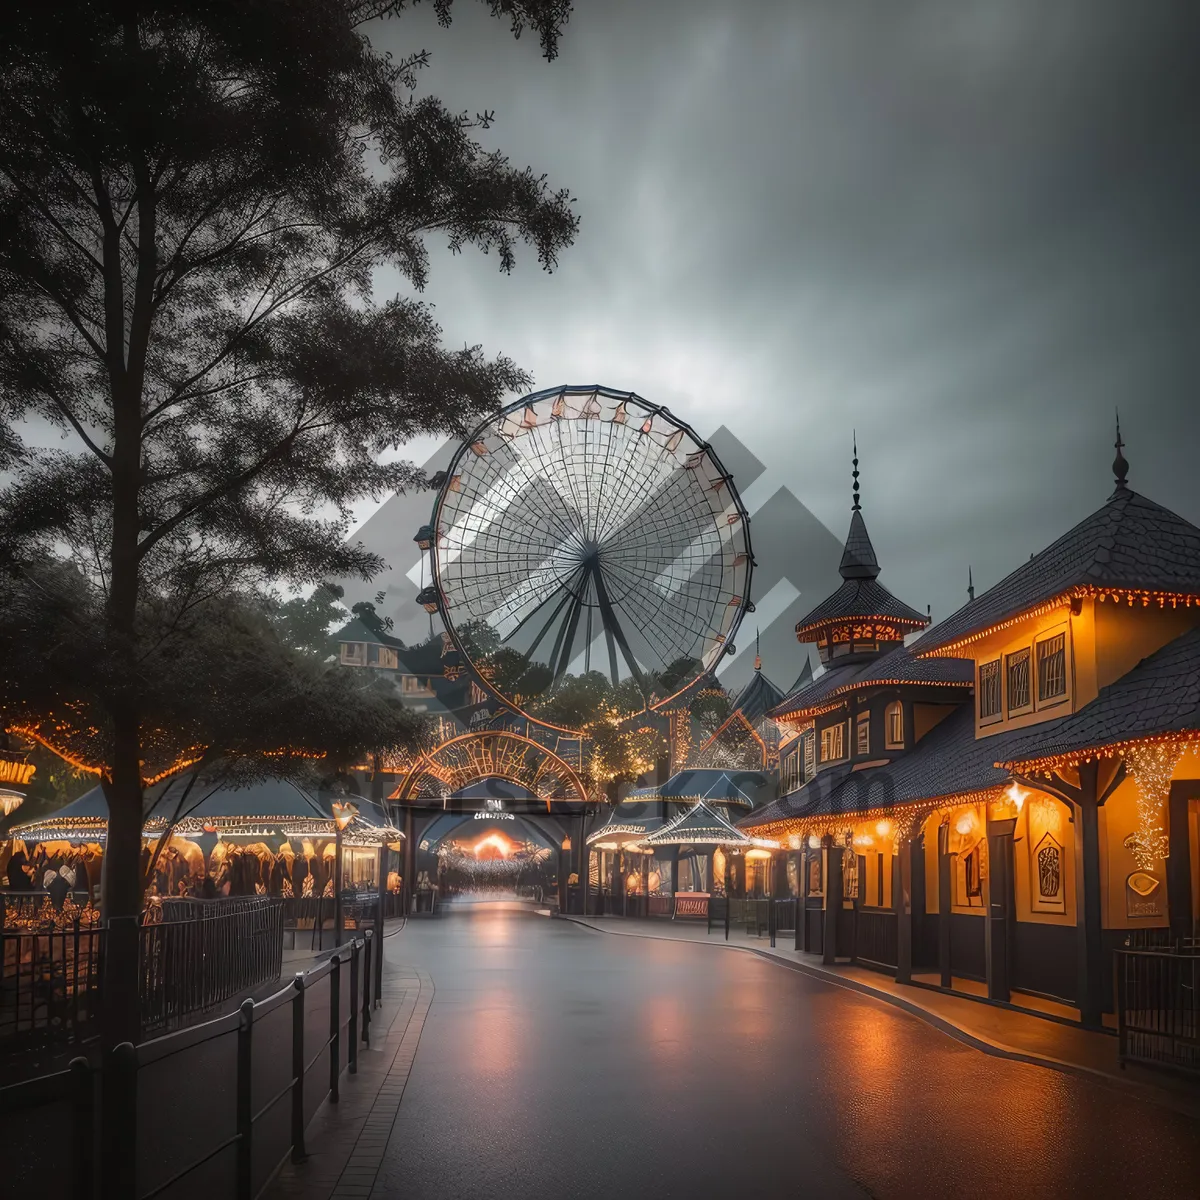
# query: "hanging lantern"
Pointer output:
{"type": "Point", "coordinates": [424, 537]}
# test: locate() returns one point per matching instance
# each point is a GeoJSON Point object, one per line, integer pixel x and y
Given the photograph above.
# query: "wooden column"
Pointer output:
{"type": "Point", "coordinates": [945, 895]}
{"type": "Point", "coordinates": [646, 884]}
{"type": "Point", "coordinates": [408, 862]}
{"type": "Point", "coordinates": [1090, 981]}
{"type": "Point", "coordinates": [585, 877]}
{"type": "Point", "coordinates": [803, 941]}
{"type": "Point", "coordinates": [674, 869]}
{"type": "Point", "coordinates": [903, 905]}
{"type": "Point", "coordinates": [833, 897]}
{"type": "Point", "coordinates": [1001, 909]}
{"type": "Point", "coordinates": [1179, 861]}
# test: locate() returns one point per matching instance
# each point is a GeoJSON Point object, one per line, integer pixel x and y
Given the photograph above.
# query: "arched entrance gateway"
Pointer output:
{"type": "Point", "coordinates": [488, 815]}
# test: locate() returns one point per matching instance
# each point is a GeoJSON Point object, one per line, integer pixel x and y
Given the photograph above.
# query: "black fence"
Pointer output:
{"type": "Point", "coordinates": [212, 1110]}
{"type": "Point", "coordinates": [205, 952]}
{"type": "Point", "coordinates": [1158, 1012]}
{"type": "Point", "coordinates": [195, 956]}
{"type": "Point", "coordinates": [49, 986]}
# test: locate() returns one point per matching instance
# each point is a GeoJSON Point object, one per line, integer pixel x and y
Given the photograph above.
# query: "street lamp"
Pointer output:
{"type": "Point", "coordinates": [343, 814]}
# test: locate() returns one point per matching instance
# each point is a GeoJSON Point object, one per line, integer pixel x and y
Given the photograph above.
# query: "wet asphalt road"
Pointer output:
{"type": "Point", "coordinates": [562, 1062]}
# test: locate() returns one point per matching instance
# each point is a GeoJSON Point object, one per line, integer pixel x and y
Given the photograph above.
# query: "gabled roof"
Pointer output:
{"type": "Point", "coordinates": [1131, 544]}
{"type": "Point", "coordinates": [819, 689]}
{"type": "Point", "coordinates": [698, 826]}
{"type": "Point", "coordinates": [357, 630]}
{"type": "Point", "coordinates": [757, 697]}
{"type": "Point", "coordinates": [715, 785]}
{"type": "Point", "coordinates": [804, 678]}
{"type": "Point", "coordinates": [1159, 697]}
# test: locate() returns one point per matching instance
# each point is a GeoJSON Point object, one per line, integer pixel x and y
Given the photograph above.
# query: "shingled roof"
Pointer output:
{"type": "Point", "coordinates": [1160, 696]}
{"type": "Point", "coordinates": [947, 762]}
{"type": "Point", "coordinates": [1130, 544]}
{"type": "Point", "coordinates": [860, 598]}
{"type": "Point", "coordinates": [757, 697]}
{"type": "Point", "coordinates": [897, 666]}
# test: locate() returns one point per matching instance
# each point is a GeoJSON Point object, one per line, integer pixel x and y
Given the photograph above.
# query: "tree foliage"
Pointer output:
{"type": "Point", "coordinates": [194, 200]}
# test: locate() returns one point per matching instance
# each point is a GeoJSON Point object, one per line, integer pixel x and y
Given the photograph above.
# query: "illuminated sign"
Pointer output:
{"type": "Point", "coordinates": [494, 816]}
{"type": "Point", "coordinates": [14, 769]}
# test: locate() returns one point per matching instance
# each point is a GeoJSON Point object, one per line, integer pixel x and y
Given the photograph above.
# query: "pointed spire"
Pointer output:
{"type": "Point", "coordinates": [1120, 466]}
{"type": "Point", "coordinates": [757, 655]}
{"type": "Point", "coordinates": [858, 558]}
{"type": "Point", "coordinates": [970, 585]}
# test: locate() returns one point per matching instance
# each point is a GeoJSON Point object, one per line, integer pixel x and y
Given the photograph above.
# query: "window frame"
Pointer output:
{"type": "Point", "coordinates": [837, 733]}
{"type": "Point", "coordinates": [862, 722]}
{"type": "Point", "coordinates": [894, 709]}
{"type": "Point", "coordinates": [1011, 708]}
{"type": "Point", "coordinates": [1059, 697]}
{"type": "Point", "coordinates": [990, 718]}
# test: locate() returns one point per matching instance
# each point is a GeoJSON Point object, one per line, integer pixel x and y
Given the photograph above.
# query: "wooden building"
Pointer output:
{"type": "Point", "coordinates": [998, 805]}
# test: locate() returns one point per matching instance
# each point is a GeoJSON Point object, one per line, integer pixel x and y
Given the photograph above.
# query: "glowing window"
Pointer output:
{"type": "Point", "coordinates": [894, 725]}
{"type": "Point", "coordinates": [1052, 667]}
{"type": "Point", "coordinates": [989, 689]}
{"type": "Point", "coordinates": [833, 743]}
{"type": "Point", "coordinates": [862, 734]}
{"type": "Point", "coordinates": [1017, 669]}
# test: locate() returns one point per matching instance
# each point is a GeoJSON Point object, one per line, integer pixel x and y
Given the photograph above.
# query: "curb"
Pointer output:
{"type": "Point", "coordinates": [1144, 1091]}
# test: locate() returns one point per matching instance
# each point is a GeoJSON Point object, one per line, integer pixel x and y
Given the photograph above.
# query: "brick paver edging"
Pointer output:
{"type": "Point", "coordinates": [347, 1140]}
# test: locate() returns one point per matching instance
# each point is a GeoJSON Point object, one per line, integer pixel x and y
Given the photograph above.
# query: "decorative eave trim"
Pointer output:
{"type": "Point", "coordinates": [812, 626]}
{"type": "Point", "coordinates": [1049, 763]}
{"type": "Point", "coordinates": [858, 685]}
{"type": "Point", "coordinates": [1081, 592]}
{"type": "Point", "coordinates": [608, 830]}
{"type": "Point", "coordinates": [905, 815]}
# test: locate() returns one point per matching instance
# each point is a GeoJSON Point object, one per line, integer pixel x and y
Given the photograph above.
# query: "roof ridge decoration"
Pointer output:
{"type": "Point", "coordinates": [858, 555]}
{"type": "Point", "coordinates": [1120, 466]}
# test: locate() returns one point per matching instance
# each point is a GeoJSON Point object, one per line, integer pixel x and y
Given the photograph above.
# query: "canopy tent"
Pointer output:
{"type": "Point", "coordinates": [713, 785]}
{"type": "Point", "coordinates": [701, 825]}
{"type": "Point", "coordinates": [624, 828]}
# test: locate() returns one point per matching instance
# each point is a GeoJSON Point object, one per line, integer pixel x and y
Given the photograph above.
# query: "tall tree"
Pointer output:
{"type": "Point", "coordinates": [193, 200]}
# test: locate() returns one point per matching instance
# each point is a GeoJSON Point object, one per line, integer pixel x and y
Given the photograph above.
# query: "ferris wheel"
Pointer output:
{"type": "Point", "coordinates": [592, 530]}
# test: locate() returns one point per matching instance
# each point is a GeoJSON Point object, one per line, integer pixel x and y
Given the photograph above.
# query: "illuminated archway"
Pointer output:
{"type": "Point", "coordinates": [491, 754]}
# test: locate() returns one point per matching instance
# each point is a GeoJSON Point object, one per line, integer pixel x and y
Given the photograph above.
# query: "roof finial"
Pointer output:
{"type": "Point", "coordinates": [856, 506]}
{"type": "Point", "coordinates": [970, 585]}
{"type": "Point", "coordinates": [1120, 466]}
{"type": "Point", "coordinates": [757, 656]}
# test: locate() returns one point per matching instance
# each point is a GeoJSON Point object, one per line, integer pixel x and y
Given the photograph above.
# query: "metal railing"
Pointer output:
{"type": "Point", "coordinates": [875, 933]}
{"type": "Point", "coordinates": [258, 1077]}
{"type": "Point", "coordinates": [49, 986]}
{"type": "Point", "coordinates": [1158, 1010]}
{"type": "Point", "coordinates": [206, 953]}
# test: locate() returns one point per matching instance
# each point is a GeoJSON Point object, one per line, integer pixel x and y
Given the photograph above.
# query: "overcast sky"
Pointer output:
{"type": "Point", "coordinates": [968, 230]}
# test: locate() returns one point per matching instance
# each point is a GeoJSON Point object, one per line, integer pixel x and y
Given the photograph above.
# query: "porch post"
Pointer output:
{"type": "Point", "coordinates": [944, 898]}
{"type": "Point", "coordinates": [1001, 914]}
{"type": "Point", "coordinates": [903, 904]}
{"type": "Point", "coordinates": [833, 897]}
{"type": "Point", "coordinates": [646, 884]}
{"type": "Point", "coordinates": [585, 876]}
{"type": "Point", "coordinates": [1179, 861]}
{"type": "Point", "coordinates": [407, 863]}
{"type": "Point", "coordinates": [674, 870]}
{"type": "Point", "coordinates": [1090, 982]}
{"type": "Point", "coordinates": [802, 938]}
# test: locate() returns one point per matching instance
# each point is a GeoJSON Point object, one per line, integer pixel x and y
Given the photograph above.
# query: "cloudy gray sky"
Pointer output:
{"type": "Point", "coordinates": [969, 230]}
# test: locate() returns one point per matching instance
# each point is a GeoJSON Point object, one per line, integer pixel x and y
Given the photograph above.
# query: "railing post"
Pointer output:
{"type": "Point", "coordinates": [335, 1025]}
{"type": "Point", "coordinates": [299, 1153]}
{"type": "Point", "coordinates": [83, 1134]}
{"type": "Point", "coordinates": [1122, 1032]}
{"type": "Point", "coordinates": [245, 1110]}
{"type": "Point", "coordinates": [368, 950]}
{"type": "Point", "coordinates": [352, 1032]}
{"type": "Point", "coordinates": [118, 1162]}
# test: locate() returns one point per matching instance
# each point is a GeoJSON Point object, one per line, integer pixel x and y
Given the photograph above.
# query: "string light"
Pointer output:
{"type": "Point", "coordinates": [1063, 600]}
{"type": "Point", "coordinates": [1152, 765]}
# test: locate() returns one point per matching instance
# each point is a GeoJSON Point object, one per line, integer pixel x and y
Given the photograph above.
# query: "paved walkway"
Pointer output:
{"type": "Point", "coordinates": [993, 1028]}
{"type": "Point", "coordinates": [561, 1061]}
{"type": "Point", "coordinates": [347, 1140]}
